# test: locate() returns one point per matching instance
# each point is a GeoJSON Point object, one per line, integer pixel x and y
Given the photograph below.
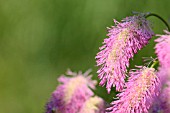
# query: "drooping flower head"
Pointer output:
{"type": "Point", "coordinates": [71, 95]}
{"type": "Point", "coordinates": [125, 39]}
{"type": "Point", "coordinates": [163, 49]}
{"type": "Point", "coordinates": [140, 90]}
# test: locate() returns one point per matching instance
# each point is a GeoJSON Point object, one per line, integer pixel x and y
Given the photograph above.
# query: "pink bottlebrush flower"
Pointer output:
{"type": "Point", "coordinates": [140, 90]}
{"type": "Point", "coordinates": [163, 49]}
{"type": "Point", "coordinates": [72, 93]}
{"type": "Point", "coordinates": [125, 39]}
{"type": "Point", "coordinates": [161, 103]}
{"type": "Point", "coordinates": [93, 105]}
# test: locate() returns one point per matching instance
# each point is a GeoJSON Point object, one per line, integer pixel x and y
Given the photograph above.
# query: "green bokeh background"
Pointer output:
{"type": "Point", "coordinates": [40, 39]}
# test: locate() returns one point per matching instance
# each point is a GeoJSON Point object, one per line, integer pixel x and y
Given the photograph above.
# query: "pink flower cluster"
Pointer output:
{"type": "Point", "coordinates": [74, 95]}
{"type": "Point", "coordinates": [162, 102]}
{"type": "Point", "coordinates": [147, 89]}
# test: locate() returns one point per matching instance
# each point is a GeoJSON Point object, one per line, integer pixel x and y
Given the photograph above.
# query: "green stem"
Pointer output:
{"type": "Point", "coordinates": [152, 14]}
{"type": "Point", "coordinates": [154, 63]}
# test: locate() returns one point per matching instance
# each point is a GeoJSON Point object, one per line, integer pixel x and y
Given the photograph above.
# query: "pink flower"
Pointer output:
{"type": "Point", "coordinates": [72, 94]}
{"type": "Point", "coordinates": [163, 49]}
{"type": "Point", "coordinates": [140, 90]}
{"type": "Point", "coordinates": [165, 98]}
{"type": "Point", "coordinates": [125, 39]}
{"type": "Point", "coordinates": [161, 103]}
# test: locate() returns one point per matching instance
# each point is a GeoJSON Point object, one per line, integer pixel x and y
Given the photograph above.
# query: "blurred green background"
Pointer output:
{"type": "Point", "coordinates": [40, 39]}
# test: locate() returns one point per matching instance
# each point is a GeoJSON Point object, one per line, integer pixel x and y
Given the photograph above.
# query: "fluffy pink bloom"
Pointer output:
{"type": "Point", "coordinates": [163, 49]}
{"type": "Point", "coordinates": [161, 103]}
{"type": "Point", "coordinates": [125, 39]}
{"type": "Point", "coordinates": [140, 90]}
{"type": "Point", "coordinates": [71, 95]}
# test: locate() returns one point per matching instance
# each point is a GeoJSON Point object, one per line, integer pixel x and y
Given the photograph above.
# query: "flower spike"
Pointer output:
{"type": "Point", "coordinates": [74, 94]}
{"type": "Point", "coordinates": [140, 90]}
{"type": "Point", "coordinates": [161, 103]}
{"type": "Point", "coordinates": [163, 49]}
{"type": "Point", "coordinates": [125, 39]}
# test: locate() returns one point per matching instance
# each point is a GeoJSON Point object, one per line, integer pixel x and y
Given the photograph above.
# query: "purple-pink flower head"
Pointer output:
{"type": "Point", "coordinates": [161, 103]}
{"type": "Point", "coordinates": [71, 95]}
{"type": "Point", "coordinates": [140, 90]}
{"type": "Point", "coordinates": [165, 98]}
{"type": "Point", "coordinates": [124, 40]}
{"type": "Point", "coordinates": [163, 49]}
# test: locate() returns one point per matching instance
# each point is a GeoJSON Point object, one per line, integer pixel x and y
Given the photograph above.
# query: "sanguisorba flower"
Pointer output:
{"type": "Point", "coordinates": [72, 94]}
{"type": "Point", "coordinates": [165, 98]}
{"type": "Point", "coordinates": [124, 40]}
{"type": "Point", "coordinates": [163, 49]}
{"type": "Point", "coordinates": [161, 103]}
{"type": "Point", "coordinates": [140, 90]}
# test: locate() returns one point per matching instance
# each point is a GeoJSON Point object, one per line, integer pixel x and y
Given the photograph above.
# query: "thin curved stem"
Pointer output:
{"type": "Point", "coordinates": [154, 63]}
{"type": "Point", "coordinates": [152, 14]}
